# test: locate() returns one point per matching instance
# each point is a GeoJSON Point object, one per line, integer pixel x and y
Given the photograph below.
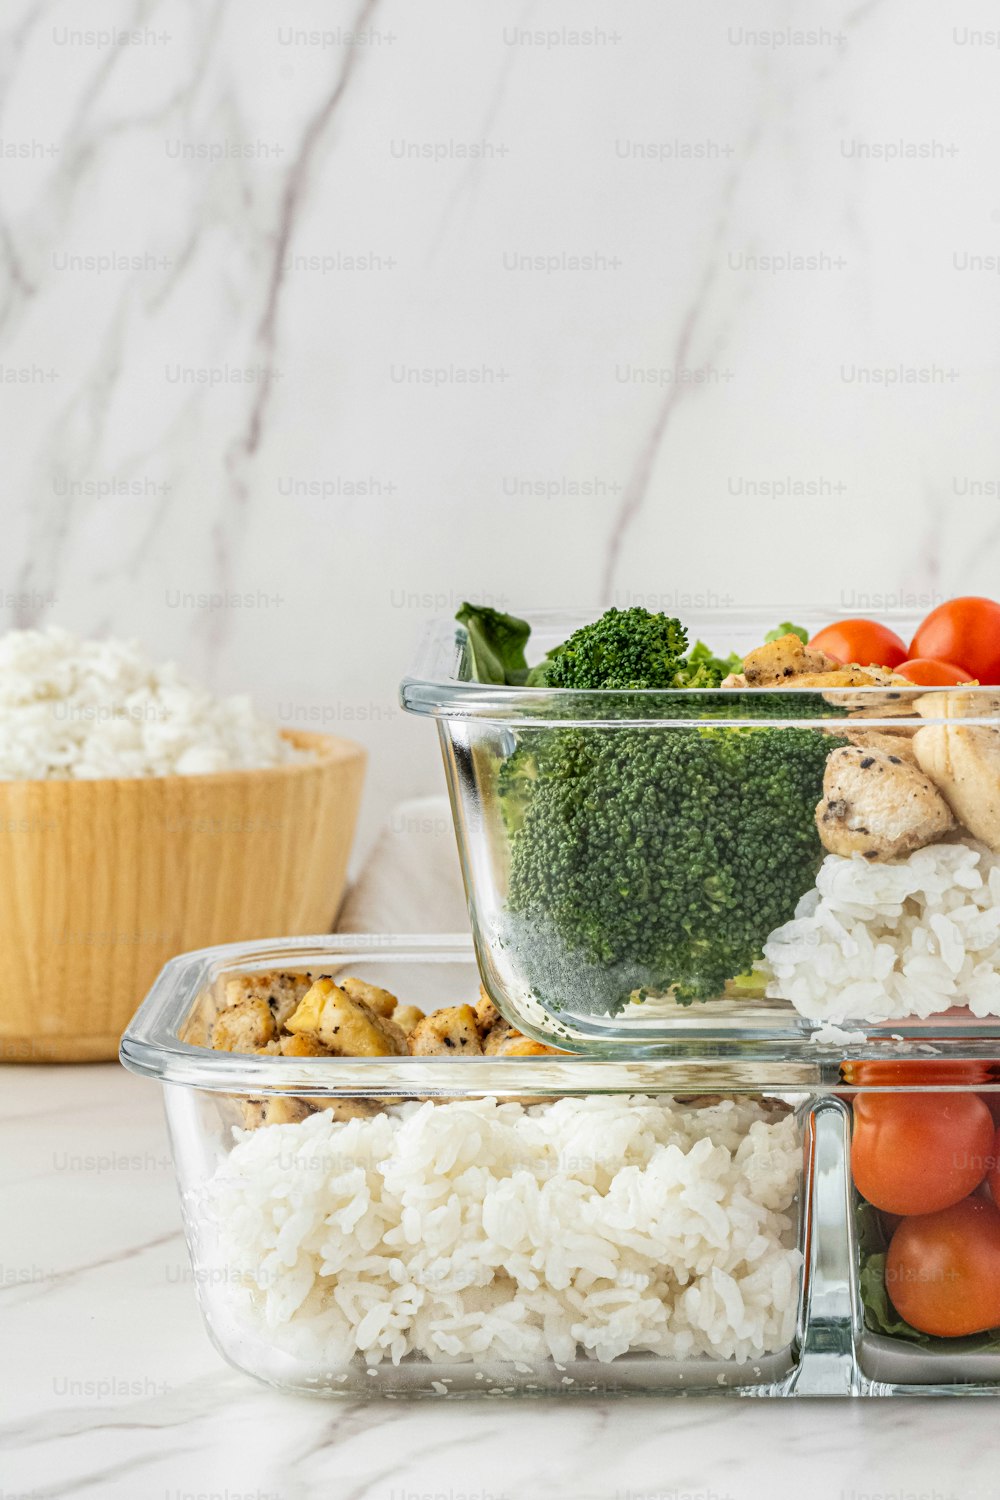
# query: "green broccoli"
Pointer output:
{"type": "Point", "coordinates": [625, 648]}
{"type": "Point", "coordinates": [655, 858]}
{"type": "Point", "coordinates": [650, 858]}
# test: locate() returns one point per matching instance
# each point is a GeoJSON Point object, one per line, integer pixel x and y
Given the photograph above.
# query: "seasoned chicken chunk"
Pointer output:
{"type": "Point", "coordinates": [963, 761]}
{"type": "Point", "coordinates": [346, 1109]}
{"type": "Point", "coordinates": [281, 991]}
{"type": "Point", "coordinates": [406, 1017]}
{"type": "Point", "coordinates": [349, 1028]}
{"type": "Point", "coordinates": [247, 1026]}
{"type": "Point", "coordinates": [381, 1001]}
{"type": "Point", "coordinates": [959, 704]}
{"type": "Point", "coordinates": [281, 1109]}
{"type": "Point", "coordinates": [771, 664]}
{"type": "Point", "coordinates": [304, 1044]}
{"type": "Point", "coordinates": [516, 1044]}
{"type": "Point", "coordinates": [896, 702]}
{"type": "Point", "coordinates": [487, 1015]}
{"type": "Point", "coordinates": [888, 741]}
{"type": "Point", "coordinates": [498, 1034]}
{"type": "Point", "coordinates": [879, 805]}
{"type": "Point", "coordinates": [445, 1033]}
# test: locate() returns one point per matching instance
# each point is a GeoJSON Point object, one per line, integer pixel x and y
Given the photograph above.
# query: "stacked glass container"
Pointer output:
{"type": "Point", "coordinates": [737, 1186]}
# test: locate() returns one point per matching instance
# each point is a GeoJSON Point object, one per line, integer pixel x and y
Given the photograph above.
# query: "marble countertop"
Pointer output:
{"type": "Point", "coordinates": [112, 1389]}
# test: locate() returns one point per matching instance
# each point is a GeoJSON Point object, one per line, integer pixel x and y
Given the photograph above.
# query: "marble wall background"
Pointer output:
{"type": "Point", "coordinates": [318, 317]}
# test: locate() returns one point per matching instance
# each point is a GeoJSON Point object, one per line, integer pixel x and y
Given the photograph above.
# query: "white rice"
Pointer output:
{"type": "Point", "coordinates": [475, 1231]}
{"type": "Point", "coordinates": [72, 708]}
{"type": "Point", "coordinates": [884, 941]}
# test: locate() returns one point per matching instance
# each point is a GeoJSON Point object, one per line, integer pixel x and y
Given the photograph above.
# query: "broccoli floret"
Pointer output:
{"type": "Point", "coordinates": [657, 859]}
{"type": "Point", "coordinates": [625, 648]}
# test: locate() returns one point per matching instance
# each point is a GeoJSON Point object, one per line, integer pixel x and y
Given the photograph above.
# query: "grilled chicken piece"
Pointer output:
{"type": "Point", "coordinates": [381, 1001]}
{"type": "Point", "coordinates": [772, 664]}
{"type": "Point", "coordinates": [846, 677]}
{"type": "Point", "coordinates": [487, 1015]}
{"type": "Point", "coordinates": [304, 1044]}
{"type": "Point", "coordinates": [247, 1026]}
{"type": "Point", "coordinates": [896, 702]}
{"type": "Point", "coordinates": [959, 704]}
{"type": "Point", "coordinates": [879, 805]}
{"type": "Point", "coordinates": [445, 1033]}
{"type": "Point", "coordinates": [516, 1044]}
{"type": "Point", "coordinates": [734, 680]}
{"type": "Point", "coordinates": [347, 1109]}
{"type": "Point", "coordinates": [964, 762]}
{"type": "Point", "coordinates": [494, 1039]}
{"type": "Point", "coordinates": [406, 1017]}
{"type": "Point", "coordinates": [348, 1028]}
{"type": "Point", "coordinates": [281, 1109]}
{"type": "Point", "coordinates": [282, 992]}
{"type": "Point", "coordinates": [889, 741]}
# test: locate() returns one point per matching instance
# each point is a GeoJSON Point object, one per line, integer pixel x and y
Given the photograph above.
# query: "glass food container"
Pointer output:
{"type": "Point", "coordinates": [448, 1225]}
{"type": "Point", "coordinates": [771, 862]}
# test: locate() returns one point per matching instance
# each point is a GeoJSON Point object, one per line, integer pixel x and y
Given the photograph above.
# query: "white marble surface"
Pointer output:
{"type": "Point", "coordinates": [282, 374]}
{"type": "Point", "coordinates": [111, 1390]}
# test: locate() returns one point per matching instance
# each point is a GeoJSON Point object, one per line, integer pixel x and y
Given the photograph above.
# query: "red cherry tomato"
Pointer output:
{"type": "Point", "coordinates": [864, 641]}
{"type": "Point", "coordinates": [993, 1175]}
{"type": "Point", "coordinates": [927, 673]}
{"type": "Point", "coordinates": [942, 1271]}
{"type": "Point", "coordinates": [964, 631]}
{"type": "Point", "coordinates": [920, 1152]}
{"type": "Point", "coordinates": [910, 1073]}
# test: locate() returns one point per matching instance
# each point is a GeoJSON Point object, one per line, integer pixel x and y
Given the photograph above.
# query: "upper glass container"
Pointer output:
{"type": "Point", "coordinates": [654, 869]}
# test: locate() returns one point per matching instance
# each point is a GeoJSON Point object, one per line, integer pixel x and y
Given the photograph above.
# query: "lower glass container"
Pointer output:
{"type": "Point", "coordinates": [520, 1221]}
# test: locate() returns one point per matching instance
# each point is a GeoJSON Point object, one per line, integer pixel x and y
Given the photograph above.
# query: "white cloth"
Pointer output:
{"type": "Point", "coordinates": [412, 880]}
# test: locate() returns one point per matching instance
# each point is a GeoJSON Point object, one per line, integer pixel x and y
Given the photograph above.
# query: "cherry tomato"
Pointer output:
{"type": "Point", "coordinates": [964, 631]}
{"type": "Point", "coordinates": [863, 641]}
{"type": "Point", "coordinates": [942, 1270]}
{"type": "Point", "coordinates": [920, 1152]}
{"type": "Point", "coordinates": [927, 673]}
{"type": "Point", "coordinates": [911, 1073]}
{"type": "Point", "coordinates": [993, 1175]}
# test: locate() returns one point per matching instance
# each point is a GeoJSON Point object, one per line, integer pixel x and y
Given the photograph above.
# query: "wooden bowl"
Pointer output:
{"type": "Point", "coordinates": [102, 881]}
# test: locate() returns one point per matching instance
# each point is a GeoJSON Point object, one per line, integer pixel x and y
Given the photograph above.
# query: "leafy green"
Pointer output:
{"type": "Point", "coordinates": [496, 644]}
{"type": "Point", "coordinates": [788, 629]}
{"type": "Point", "coordinates": [702, 668]}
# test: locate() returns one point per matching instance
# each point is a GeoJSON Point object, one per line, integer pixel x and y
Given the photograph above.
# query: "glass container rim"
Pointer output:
{"type": "Point", "coordinates": [152, 1047]}
{"type": "Point", "coordinates": [434, 688]}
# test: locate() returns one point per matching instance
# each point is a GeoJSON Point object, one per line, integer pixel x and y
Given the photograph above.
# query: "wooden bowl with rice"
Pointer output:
{"type": "Point", "coordinates": [141, 817]}
{"type": "Point", "coordinates": [104, 881]}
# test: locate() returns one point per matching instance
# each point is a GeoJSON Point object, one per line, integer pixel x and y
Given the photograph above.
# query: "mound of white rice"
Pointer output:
{"type": "Point", "coordinates": [877, 942]}
{"type": "Point", "coordinates": [80, 709]}
{"type": "Point", "coordinates": [478, 1230]}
